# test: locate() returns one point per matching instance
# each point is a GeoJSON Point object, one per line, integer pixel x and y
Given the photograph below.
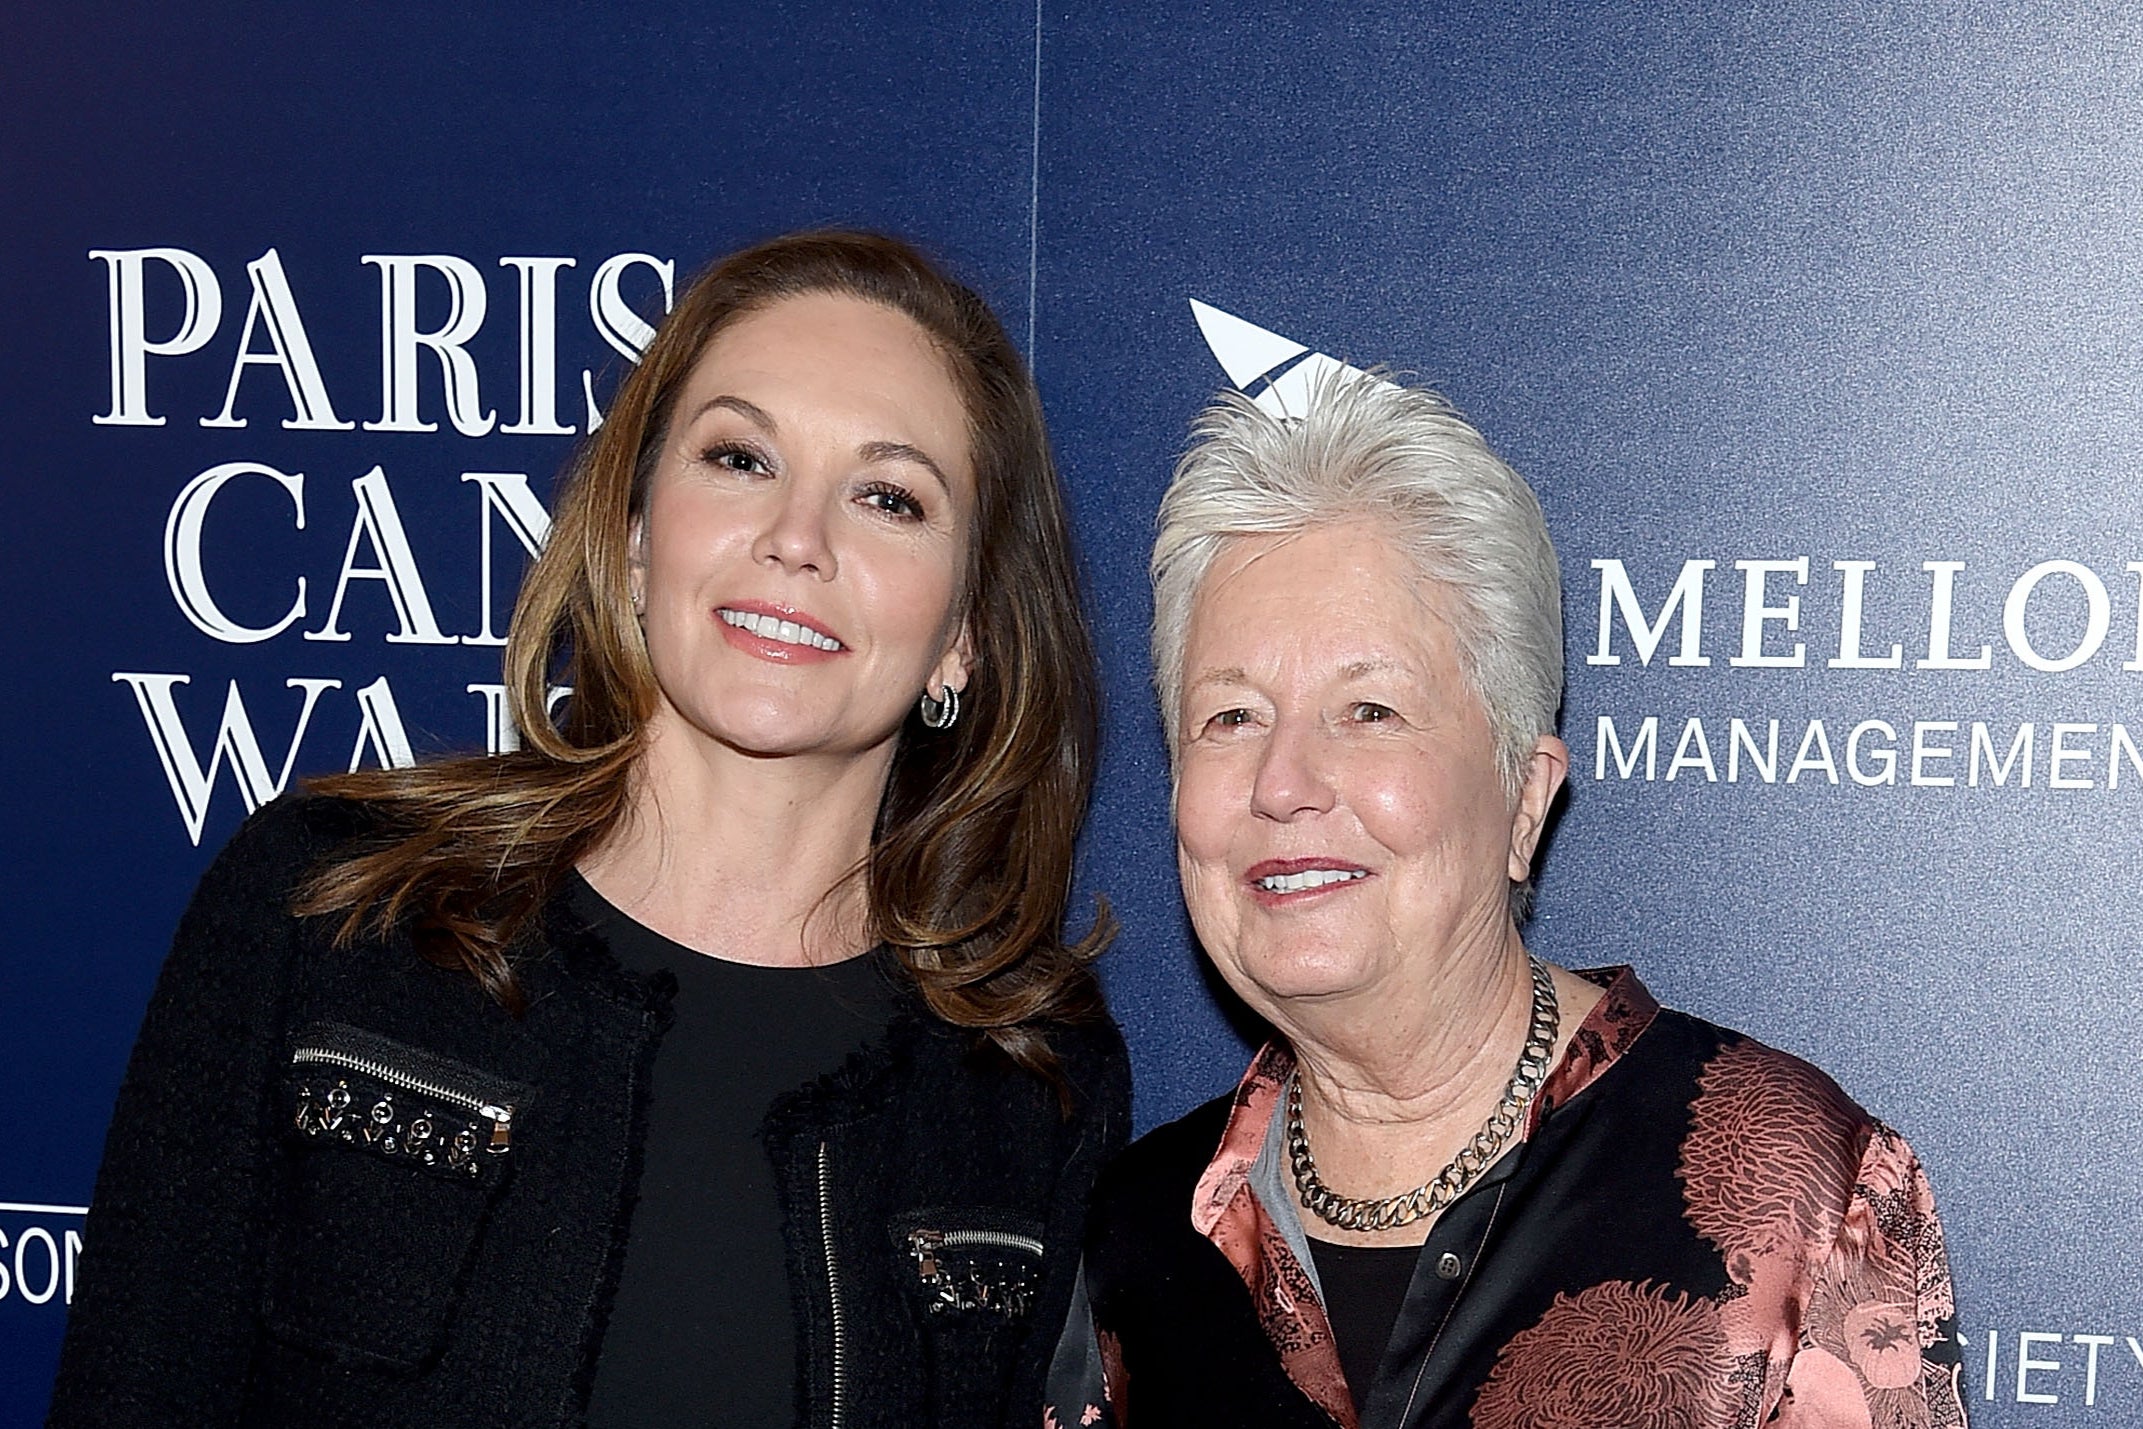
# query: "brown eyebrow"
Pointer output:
{"type": "Point", "coordinates": [902, 451]}
{"type": "Point", "coordinates": [1355, 670]}
{"type": "Point", "coordinates": [751, 412]}
{"type": "Point", "coordinates": [1229, 675]}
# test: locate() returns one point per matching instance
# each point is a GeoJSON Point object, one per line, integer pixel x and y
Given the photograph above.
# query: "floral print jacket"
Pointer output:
{"type": "Point", "coordinates": [1696, 1232]}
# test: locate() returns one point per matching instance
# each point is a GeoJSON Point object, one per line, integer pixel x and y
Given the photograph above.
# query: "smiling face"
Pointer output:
{"type": "Point", "coordinates": [1340, 822]}
{"type": "Point", "coordinates": [799, 562]}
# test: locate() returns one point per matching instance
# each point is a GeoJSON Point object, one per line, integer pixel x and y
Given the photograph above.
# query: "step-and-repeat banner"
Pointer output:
{"type": "Point", "coordinates": [1817, 330]}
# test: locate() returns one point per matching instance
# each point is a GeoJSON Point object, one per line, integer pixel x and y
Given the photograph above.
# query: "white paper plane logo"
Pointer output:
{"type": "Point", "coordinates": [1276, 372]}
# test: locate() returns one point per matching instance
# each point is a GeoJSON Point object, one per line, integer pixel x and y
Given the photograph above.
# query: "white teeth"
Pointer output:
{"type": "Point", "coordinates": [1309, 878]}
{"type": "Point", "coordinates": [788, 632]}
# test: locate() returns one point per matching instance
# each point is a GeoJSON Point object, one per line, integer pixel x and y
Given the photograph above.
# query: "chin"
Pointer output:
{"type": "Point", "coordinates": [769, 724]}
{"type": "Point", "coordinates": [1282, 974]}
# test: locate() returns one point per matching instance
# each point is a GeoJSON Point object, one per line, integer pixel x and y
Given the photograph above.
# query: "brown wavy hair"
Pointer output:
{"type": "Point", "coordinates": [970, 867]}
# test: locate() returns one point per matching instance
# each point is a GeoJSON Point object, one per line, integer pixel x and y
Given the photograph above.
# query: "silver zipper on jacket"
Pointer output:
{"type": "Point", "coordinates": [833, 1288]}
{"type": "Point", "coordinates": [500, 1117]}
{"type": "Point", "coordinates": [922, 1242]}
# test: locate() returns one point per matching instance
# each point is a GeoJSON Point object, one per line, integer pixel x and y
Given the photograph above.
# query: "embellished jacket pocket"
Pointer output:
{"type": "Point", "coordinates": [973, 1275]}
{"type": "Point", "coordinates": [397, 1156]}
{"type": "Point", "coordinates": [972, 1263]}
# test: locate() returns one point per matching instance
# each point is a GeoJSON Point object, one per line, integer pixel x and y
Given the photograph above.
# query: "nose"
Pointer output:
{"type": "Point", "coordinates": [1291, 782]}
{"type": "Point", "coordinates": [797, 535]}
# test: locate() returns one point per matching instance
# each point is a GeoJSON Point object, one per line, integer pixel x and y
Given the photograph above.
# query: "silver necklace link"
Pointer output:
{"type": "Point", "coordinates": [1363, 1215]}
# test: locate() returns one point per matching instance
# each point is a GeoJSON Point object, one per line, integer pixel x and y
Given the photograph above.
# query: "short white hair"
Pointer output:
{"type": "Point", "coordinates": [1402, 460]}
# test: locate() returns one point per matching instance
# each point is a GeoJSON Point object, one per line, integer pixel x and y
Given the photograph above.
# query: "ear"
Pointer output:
{"type": "Point", "coordinates": [955, 665]}
{"type": "Point", "coordinates": [1544, 773]}
{"type": "Point", "coordinates": [636, 563]}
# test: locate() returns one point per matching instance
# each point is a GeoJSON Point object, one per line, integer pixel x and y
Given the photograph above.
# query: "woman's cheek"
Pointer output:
{"type": "Point", "coordinates": [1395, 793]}
{"type": "Point", "coordinates": [1202, 811]}
{"type": "Point", "coordinates": [1208, 898]}
{"type": "Point", "coordinates": [1413, 801]}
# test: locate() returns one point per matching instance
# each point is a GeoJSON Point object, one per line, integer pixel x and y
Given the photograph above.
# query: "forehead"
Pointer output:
{"type": "Point", "coordinates": [808, 323]}
{"type": "Point", "coordinates": [1333, 602]}
{"type": "Point", "coordinates": [831, 357]}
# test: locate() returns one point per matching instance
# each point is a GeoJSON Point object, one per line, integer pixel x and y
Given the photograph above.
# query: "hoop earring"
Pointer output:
{"type": "Point", "coordinates": [940, 714]}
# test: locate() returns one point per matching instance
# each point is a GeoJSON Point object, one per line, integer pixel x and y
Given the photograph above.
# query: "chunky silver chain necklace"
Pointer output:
{"type": "Point", "coordinates": [1352, 1214]}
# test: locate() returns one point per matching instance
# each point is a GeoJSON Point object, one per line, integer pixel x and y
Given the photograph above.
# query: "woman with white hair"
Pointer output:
{"type": "Point", "coordinates": [1459, 1186]}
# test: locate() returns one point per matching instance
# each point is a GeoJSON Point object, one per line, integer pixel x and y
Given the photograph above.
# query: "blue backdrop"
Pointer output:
{"type": "Point", "coordinates": [1815, 329]}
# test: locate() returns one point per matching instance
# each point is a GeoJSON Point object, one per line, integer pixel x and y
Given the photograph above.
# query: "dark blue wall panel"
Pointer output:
{"type": "Point", "coordinates": [1848, 284]}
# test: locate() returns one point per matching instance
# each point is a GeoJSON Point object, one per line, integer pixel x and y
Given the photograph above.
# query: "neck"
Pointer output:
{"type": "Point", "coordinates": [748, 858]}
{"type": "Point", "coordinates": [1442, 1039]}
{"type": "Point", "coordinates": [1394, 1086]}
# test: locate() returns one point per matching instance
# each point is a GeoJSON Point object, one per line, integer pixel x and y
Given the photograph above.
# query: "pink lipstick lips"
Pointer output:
{"type": "Point", "coordinates": [1286, 882]}
{"type": "Point", "coordinates": [777, 633]}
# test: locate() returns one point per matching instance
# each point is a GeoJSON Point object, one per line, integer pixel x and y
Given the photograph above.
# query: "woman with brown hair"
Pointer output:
{"type": "Point", "coordinates": [717, 1057]}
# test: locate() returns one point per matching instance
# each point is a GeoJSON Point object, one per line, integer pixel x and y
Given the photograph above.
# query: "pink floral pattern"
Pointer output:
{"type": "Point", "coordinates": [1614, 1353]}
{"type": "Point", "coordinates": [1768, 1163]}
{"type": "Point", "coordinates": [1825, 1222]}
{"type": "Point", "coordinates": [1225, 1211]}
{"type": "Point", "coordinates": [1609, 1030]}
{"type": "Point", "coordinates": [1878, 1301]}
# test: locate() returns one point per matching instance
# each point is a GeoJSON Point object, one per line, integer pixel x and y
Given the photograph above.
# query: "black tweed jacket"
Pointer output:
{"type": "Point", "coordinates": [343, 1187]}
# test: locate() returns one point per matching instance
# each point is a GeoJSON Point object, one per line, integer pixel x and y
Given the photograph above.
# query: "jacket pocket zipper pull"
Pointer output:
{"type": "Point", "coordinates": [923, 1245]}
{"type": "Point", "coordinates": [501, 1119]}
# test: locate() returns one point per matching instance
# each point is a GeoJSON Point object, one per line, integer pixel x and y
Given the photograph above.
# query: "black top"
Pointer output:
{"type": "Point", "coordinates": [1364, 1286]}
{"type": "Point", "coordinates": [703, 1332]}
